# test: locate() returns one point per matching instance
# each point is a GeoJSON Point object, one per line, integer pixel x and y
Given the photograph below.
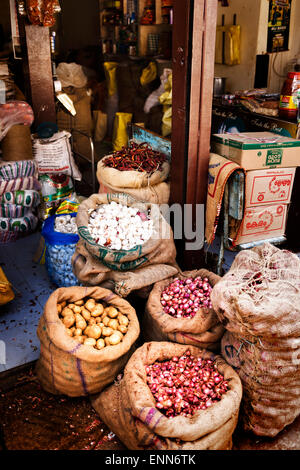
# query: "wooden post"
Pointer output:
{"type": "Point", "coordinates": [194, 32]}
{"type": "Point", "coordinates": [38, 73]}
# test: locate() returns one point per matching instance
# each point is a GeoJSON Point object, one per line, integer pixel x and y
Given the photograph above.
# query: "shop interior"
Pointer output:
{"type": "Point", "coordinates": [112, 63]}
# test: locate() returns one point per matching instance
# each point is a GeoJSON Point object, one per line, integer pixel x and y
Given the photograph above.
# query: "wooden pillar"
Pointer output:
{"type": "Point", "coordinates": [194, 33]}
{"type": "Point", "coordinates": [38, 72]}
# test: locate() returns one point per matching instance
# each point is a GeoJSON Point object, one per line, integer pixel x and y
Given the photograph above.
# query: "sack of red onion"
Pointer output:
{"type": "Point", "coordinates": [179, 310]}
{"type": "Point", "coordinates": [120, 236]}
{"type": "Point", "coordinates": [258, 301]}
{"type": "Point", "coordinates": [173, 397]}
{"type": "Point", "coordinates": [86, 336]}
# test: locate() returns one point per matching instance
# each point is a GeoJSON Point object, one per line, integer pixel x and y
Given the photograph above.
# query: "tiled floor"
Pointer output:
{"type": "Point", "coordinates": [19, 318]}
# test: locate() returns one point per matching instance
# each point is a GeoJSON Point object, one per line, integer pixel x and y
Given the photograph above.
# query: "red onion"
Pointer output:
{"type": "Point", "coordinates": [183, 297]}
{"type": "Point", "coordinates": [181, 386]}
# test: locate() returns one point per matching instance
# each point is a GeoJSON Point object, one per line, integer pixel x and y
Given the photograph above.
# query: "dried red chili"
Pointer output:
{"type": "Point", "coordinates": [138, 157]}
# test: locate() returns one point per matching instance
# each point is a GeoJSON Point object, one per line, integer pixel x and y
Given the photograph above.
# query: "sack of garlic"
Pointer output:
{"type": "Point", "coordinates": [60, 234]}
{"type": "Point", "coordinates": [146, 255]}
{"type": "Point", "coordinates": [124, 234]}
{"type": "Point", "coordinates": [87, 336]}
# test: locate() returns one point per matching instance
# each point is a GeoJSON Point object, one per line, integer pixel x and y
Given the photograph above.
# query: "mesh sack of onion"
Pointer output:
{"type": "Point", "coordinates": [200, 409]}
{"type": "Point", "coordinates": [258, 301]}
{"type": "Point", "coordinates": [179, 310]}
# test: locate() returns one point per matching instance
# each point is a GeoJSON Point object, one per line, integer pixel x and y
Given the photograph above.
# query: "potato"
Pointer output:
{"type": "Point", "coordinates": [69, 320]}
{"type": "Point", "coordinates": [113, 323]}
{"type": "Point", "coordinates": [73, 330]}
{"type": "Point", "coordinates": [86, 314]}
{"type": "Point", "coordinates": [93, 331]}
{"type": "Point", "coordinates": [115, 338]}
{"type": "Point", "coordinates": [63, 304]}
{"type": "Point", "coordinates": [123, 329]}
{"type": "Point", "coordinates": [97, 310]}
{"type": "Point", "coordinates": [69, 332]}
{"type": "Point", "coordinates": [100, 343]}
{"type": "Point", "coordinates": [123, 320]}
{"type": "Point", "coordinates": [79, 302]}
{"type": "Point", "coordinates": [77, 309]}
{"type": "Point", "coordinates": [80, 339]}
{"type": "Point", "coordinates": [107, 331]}
{"type": "Point", "coordinates": [90, 342]}
{"type": "Point", "coordinates": [90, 304]}
{"type": "Point", "coordinates": [77, 332]}
{"type": "Point", "coordinates": [59, 308]}
{"type": "Point", "coordinates": [98, 320]}
{"type": "Point", "coordinates": [92, 321]}
{"type": "Point", "coordinates": [67, 311]}
{"type": "Point", "coordinates": [105, 312]}
{"type": "Point", "coordinates": [80, 321]}
{"type": "Point", "coordinates": [106, 340]}
{"type": "Point", "coordinates": [101, 324]}
{"type": "Point", "coordinates": [112, 312]}
{"type": "Point", "coordinates": [105, 320]}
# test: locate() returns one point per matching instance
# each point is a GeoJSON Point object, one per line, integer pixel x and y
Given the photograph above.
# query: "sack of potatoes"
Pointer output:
{"type": "Point", "coordinates": [87, 335]}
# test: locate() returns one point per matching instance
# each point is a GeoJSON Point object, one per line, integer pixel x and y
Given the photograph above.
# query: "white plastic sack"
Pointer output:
{"type": "Point", "coordinates": [153, 99]}
{"type": "Point", "coordinates": [71, 75]}
{"type": "Point", "coordinates": [54, 155]}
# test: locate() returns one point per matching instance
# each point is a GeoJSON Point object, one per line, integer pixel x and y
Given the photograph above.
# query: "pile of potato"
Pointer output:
{"type": "Point", "coordinates": [92, 324]}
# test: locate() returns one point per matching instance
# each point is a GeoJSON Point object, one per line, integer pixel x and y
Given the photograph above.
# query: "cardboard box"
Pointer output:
{"type": "Point", "coordinates": [263, 222]}
{"type": "Point", "coordinates": [258, 150]}
{"type": "Point", "coordinates": [269, 186]}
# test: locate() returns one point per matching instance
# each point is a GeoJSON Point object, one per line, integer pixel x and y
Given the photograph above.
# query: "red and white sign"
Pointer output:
{"type": "Point", "coordinates": [269, 186]}
{"type": "Point", "coordinates": [262, 222]}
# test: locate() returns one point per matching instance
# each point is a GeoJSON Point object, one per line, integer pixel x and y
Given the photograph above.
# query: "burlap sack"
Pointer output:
{"type": "Point", "coordinates": [203, 330]}
{"type": "Point", "coordinates": [92, 272]}
{"type": "Point", "coordinates": [258, 301]}
{"type": "Point", "coordinates": [130, 179]}
{"type": "Point", "coordinates": [17, 144]}
{"type": "Point", "coordinates": [160, 248]}
{"type": "Point", "coordinates": [133, 417]}
{"type": "Point", "coordinates": [68, 367]}
{"type": "Point", "coordinates": [82, 121]}
{"type": "Point", "coordinates": [157, 194]}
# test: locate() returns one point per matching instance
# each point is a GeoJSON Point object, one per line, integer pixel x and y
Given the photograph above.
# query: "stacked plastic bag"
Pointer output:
{"type": "Point", "coordinates": [19, 198]}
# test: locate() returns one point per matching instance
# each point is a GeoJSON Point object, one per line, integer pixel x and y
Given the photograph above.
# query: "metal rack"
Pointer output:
{"type": "Point", "coordinates": [233, 209]}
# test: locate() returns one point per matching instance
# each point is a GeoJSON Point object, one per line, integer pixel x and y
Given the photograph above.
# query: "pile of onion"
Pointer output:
{"type": "Point", "coordinates": [184, 297]}
{"type": "Point", "coordinates": [183, 385]}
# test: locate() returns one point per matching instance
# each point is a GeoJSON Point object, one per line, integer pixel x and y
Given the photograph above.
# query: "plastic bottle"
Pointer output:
{"type": "Point", "coordinates": [288, 106]}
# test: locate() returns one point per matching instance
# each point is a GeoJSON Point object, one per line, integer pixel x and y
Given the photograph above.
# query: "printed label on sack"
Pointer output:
{"type": "Point", "coordinates": [274, 157]}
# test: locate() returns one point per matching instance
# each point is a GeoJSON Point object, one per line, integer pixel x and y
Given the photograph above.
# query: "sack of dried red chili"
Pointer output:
{"type": "Point", "coordinates": [201, 415]}
{"type": "Point", "coordinates": [179, 310]}
{"type": "Point", "coordinates": [258, 301]}
{"type": "Point", "coordinates": [136, 170]}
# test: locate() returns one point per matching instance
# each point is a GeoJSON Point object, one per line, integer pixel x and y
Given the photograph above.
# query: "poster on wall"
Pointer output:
{"type": "Point", "coordinates": [279, 25]}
